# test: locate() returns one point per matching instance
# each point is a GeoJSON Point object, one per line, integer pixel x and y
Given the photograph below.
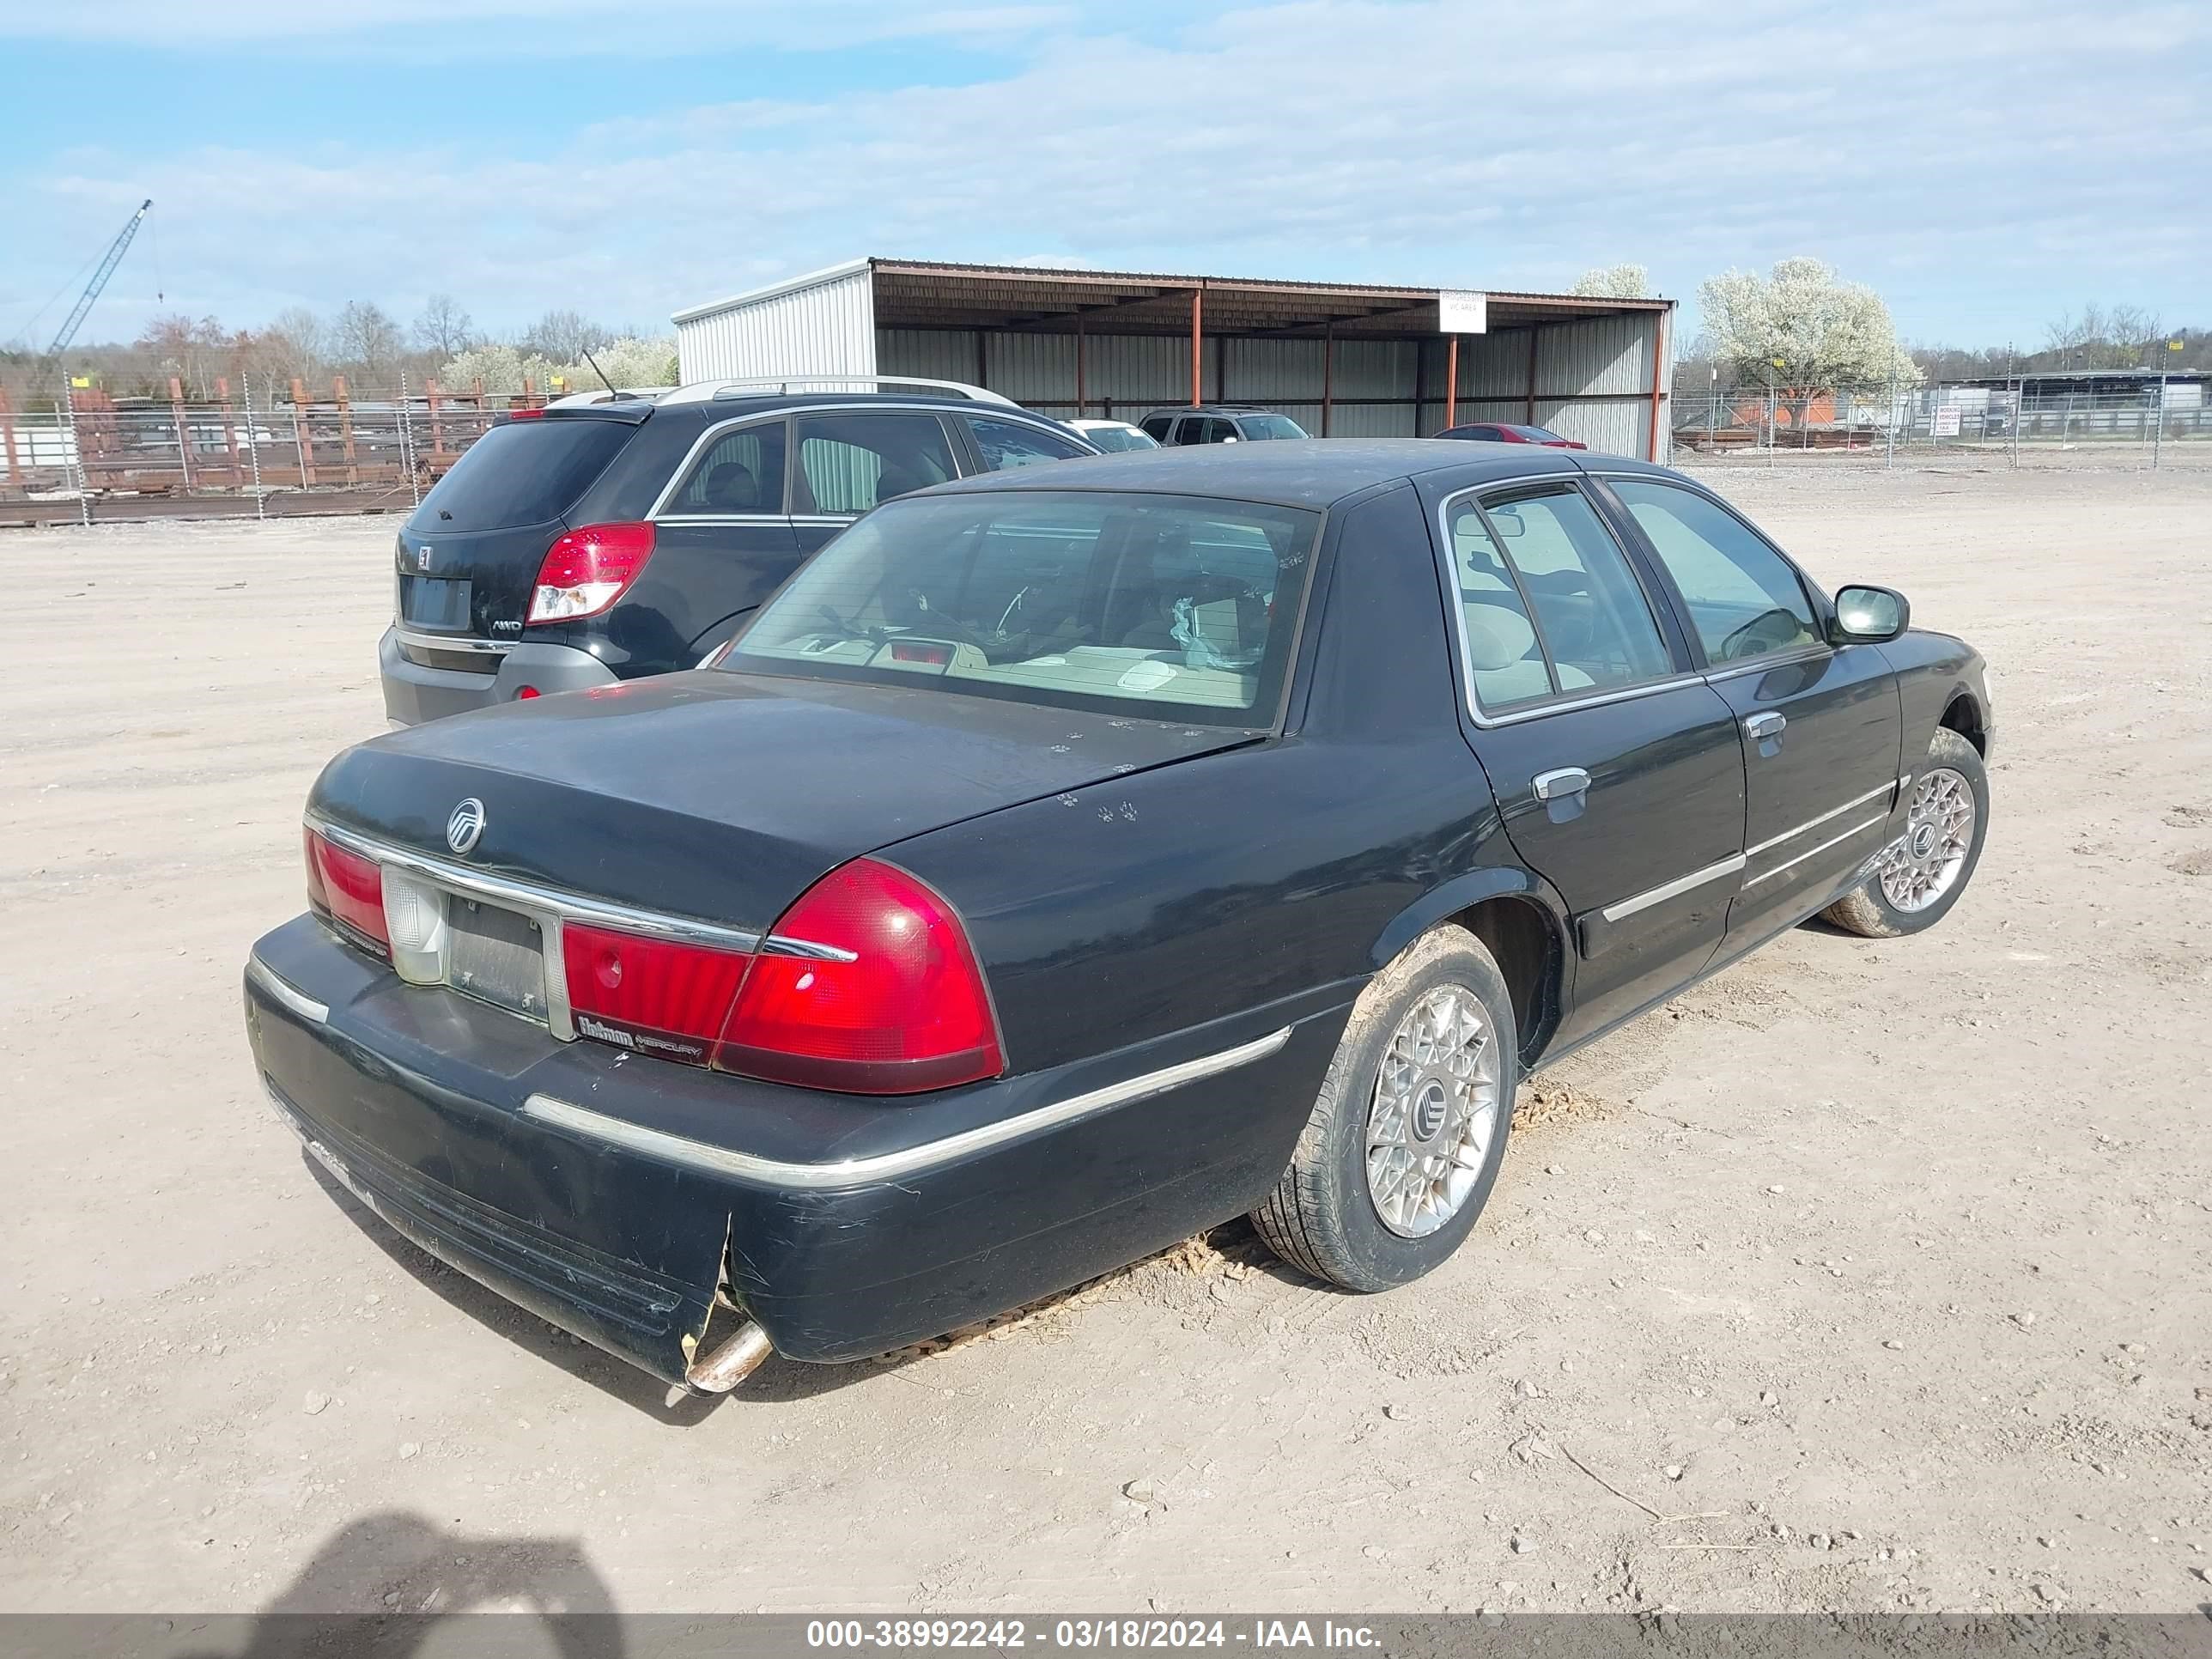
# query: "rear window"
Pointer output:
{"type": "Point", "coordinates": [528, 472]}
{"type": "Point", "coordinates": [1114, 438]}
{"type": "Point", "coordinates": [1170, 606]}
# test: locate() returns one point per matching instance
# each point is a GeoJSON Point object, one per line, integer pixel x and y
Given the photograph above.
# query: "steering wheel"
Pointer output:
{"type": "Point", "coordinates": [1770, 630]}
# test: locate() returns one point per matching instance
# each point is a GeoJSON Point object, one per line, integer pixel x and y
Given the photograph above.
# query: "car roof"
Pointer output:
{"type": "Point", "coordinates": [1209, 408]}
{"type": "Point", "coordinates": [1315, 473]}
{"type": "Point", "coordinates": [722, 408]}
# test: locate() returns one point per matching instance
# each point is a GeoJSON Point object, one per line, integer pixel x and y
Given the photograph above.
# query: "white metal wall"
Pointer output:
{"type": "Point", "coordinates": [1593, 379]}
{"type": "Point", "coordinates": [824, 328]}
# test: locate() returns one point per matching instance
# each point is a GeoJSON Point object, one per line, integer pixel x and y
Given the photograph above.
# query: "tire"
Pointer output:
{"type": "Point", "coordinates": [1873, 909]}
{"type": "Point", "coordinates": [1324, 1216]}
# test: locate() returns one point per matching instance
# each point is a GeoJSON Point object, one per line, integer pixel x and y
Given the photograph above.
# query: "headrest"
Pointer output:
{"type": "Point", "coordinates": [1497, 637]}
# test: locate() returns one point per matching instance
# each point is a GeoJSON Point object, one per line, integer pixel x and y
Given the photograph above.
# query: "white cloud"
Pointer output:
{"type": "Point", "coordinates": [1933, 151]}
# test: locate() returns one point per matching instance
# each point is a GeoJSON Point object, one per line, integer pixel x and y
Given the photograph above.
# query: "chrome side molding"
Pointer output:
{"type": "Point", "coordinates": [909, 1160]}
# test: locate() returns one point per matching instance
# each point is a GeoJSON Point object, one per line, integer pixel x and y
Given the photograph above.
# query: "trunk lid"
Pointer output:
{"type": "Point", "coordinates": [469, 555]}
{"type": "Point", "coordinates": [724, 796]}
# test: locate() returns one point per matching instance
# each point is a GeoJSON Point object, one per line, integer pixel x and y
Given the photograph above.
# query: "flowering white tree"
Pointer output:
{"type": "Point", "coordinates": [1803, 331]}
{"type": "Point", "coordinates": [1614, 282]}
{"type": "Point", "coordinates": [502, 369]}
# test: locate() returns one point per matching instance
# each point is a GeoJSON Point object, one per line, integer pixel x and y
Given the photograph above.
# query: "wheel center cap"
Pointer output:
{"type": "Point", "coordinates": [1430, 1106]}
{"type": "Point", "coordinates": [1924, 841]}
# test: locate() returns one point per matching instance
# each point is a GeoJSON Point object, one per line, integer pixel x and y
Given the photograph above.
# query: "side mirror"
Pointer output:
{"type": "Point", "coordinates": [1867, 615]}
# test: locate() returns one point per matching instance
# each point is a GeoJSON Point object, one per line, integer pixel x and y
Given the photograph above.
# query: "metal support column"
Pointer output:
{"type": "Point", "coordinates": [1327, 372]}
{"type": "Point", "coordinates": [76, 450]}
{"type": "Point", "coordinates": [1658, 381]}
{"type": "Point", "coordinates": [1451, 381]}
{"type": "Point", "coordinates": [1082, 398]}
{"type": "Point", "coordinates": [252, 445]}
{"type": "Point", "coordinates": [1197, 348]}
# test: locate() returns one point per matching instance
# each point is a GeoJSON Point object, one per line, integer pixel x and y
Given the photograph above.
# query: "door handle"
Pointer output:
{"type": "Point", "coordinates": [1561, 785]}
{"type": "Point", "coordinates": [1767, 725]}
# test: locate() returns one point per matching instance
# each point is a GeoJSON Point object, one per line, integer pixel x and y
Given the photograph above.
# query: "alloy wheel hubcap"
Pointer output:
{"type": "Point", "coordinates": [1924, 862]}
{"type": "Point", "coordinates": [1434, 1114]}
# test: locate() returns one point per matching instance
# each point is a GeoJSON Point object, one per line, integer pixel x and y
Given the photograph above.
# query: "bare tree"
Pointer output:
{"type": "Point", "coordinates": [1614, 282]}
{"type": "Point", "coordinates": [367, 335]}
{"type": "Point", "coordinates": [194, 350]}
{"type": "Point", "coordinates": [444, 327]}
{"type": "Point", "coordinates": [564, 337]}
{"type": "Point", "coordinates": [294, 347]}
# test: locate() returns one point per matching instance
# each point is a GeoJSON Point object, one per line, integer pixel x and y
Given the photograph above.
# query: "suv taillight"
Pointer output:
{"type": "Point", "coordinates": [349, 888]}
{"type": "Point", "coordinates": [585, 570]}
{"type": "Point", "coordinates": [901, 1008]}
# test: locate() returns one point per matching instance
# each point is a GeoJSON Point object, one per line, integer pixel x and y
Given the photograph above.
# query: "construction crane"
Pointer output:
{"type": "Point", "coordinates": [98, 280]}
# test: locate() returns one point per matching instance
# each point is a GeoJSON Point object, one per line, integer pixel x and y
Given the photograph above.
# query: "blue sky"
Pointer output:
{"type": "Point", "coordinates": [1984, 166]}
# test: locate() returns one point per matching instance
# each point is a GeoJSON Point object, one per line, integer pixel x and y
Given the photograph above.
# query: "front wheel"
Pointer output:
{"type": "Point", "coordinates": [1409, 1128]}
{"type": "Point", "coordinates": [1924, 870]}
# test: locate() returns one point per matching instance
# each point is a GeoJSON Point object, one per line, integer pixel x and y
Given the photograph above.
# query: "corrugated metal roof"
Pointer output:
{"type": "Point", "coordinates": [938, 294]}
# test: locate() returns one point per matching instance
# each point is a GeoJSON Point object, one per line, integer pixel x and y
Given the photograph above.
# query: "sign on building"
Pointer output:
{"type": "Point", "coordinates": [1947, 422]}
{"type": "Point", "coordinates": [1462, 311]}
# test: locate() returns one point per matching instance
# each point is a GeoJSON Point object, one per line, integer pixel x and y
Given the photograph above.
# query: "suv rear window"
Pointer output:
{"type": "Point", "coordinates": [525, 472]}
{"type": "Point", "coordinates": [1168, 606]}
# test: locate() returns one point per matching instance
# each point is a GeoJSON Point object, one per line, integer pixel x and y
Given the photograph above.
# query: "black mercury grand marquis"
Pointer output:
{"type": "Point", "coordinates": [1067, 860]}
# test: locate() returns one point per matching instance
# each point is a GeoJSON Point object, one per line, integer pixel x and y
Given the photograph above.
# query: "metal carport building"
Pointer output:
{"type": "Point", "coordinates": [1343, 360]}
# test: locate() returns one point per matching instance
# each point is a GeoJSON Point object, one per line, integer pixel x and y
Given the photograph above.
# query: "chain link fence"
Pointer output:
{"type": "Point", "coordinates": [88, 457]}
{"type": "Point", "coordinates": [2032, 420]}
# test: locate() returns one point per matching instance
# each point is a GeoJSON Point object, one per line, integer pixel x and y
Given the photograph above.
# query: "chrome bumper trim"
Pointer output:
{"type": "Point", "coordinates": [888, 1166]}
{"type": "Point", "coordinates": [298, 1002]}
{"type": "Point", "coordinates": [466, 644]}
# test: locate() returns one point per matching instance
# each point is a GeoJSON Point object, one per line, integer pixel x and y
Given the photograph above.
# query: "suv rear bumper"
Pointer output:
{"type": "Point", "coordinates": [413, 693]}
{"type": "Point", "coordinates": [605, 1193]}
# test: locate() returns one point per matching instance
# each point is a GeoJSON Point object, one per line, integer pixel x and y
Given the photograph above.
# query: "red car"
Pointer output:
{"type": "Point", "coordinates": [1511, 434]}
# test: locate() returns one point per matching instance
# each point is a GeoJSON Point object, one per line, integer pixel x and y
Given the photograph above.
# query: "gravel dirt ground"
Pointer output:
{"type": "Point", "coordinates": [1869, 1276]}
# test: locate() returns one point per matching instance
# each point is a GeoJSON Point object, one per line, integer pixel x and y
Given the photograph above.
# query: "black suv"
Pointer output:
{"type": "Point", "coordinates": [1218, 424]}
{"type": "Point", "coordinates": [588, 542]}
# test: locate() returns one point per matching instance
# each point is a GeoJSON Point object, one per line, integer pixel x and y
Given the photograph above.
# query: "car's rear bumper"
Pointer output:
{"type": "Point", "coordinates": [606, 1192]}
{"type": "Point", "coordinates": [414, 692]}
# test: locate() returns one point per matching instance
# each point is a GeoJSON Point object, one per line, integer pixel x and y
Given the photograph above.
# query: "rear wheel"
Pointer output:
{"type": "Point", "coordinates": [1924, 870]}
{"type": "Point", "coordinates": [1409, 1128]}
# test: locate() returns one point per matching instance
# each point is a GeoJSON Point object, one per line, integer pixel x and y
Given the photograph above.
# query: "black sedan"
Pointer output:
{"type": "Point", "coordinates": [1070, 859]}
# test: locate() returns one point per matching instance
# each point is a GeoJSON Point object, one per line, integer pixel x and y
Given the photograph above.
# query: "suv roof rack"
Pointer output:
{"type": "Point", "coordinates": [623, 395]}
{"type": "Point", "coordinates": [771, 385]}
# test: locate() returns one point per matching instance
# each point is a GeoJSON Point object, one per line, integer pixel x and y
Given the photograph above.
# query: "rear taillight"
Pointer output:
{"type": "Point", "coordinates": [587, 570]}
{"type": "Point", "coordinates": [907, 1012]}
{"type": "Point", "coordinates": [349, 888]}
{"type": "Point", "coordinates": [652, 996]}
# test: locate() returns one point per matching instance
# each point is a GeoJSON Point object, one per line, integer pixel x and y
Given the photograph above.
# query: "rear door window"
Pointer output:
{"type": "Point", "coordinates": [740, 475]}
{"type": "Point", "coordinates": [524, 472]}
{"type": "Point", "coordinates": [1004, 444]}
{"type": "Point", "coordinates": [848, 463]}
{"type": "Point", "coordinates": [1541, 578]}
